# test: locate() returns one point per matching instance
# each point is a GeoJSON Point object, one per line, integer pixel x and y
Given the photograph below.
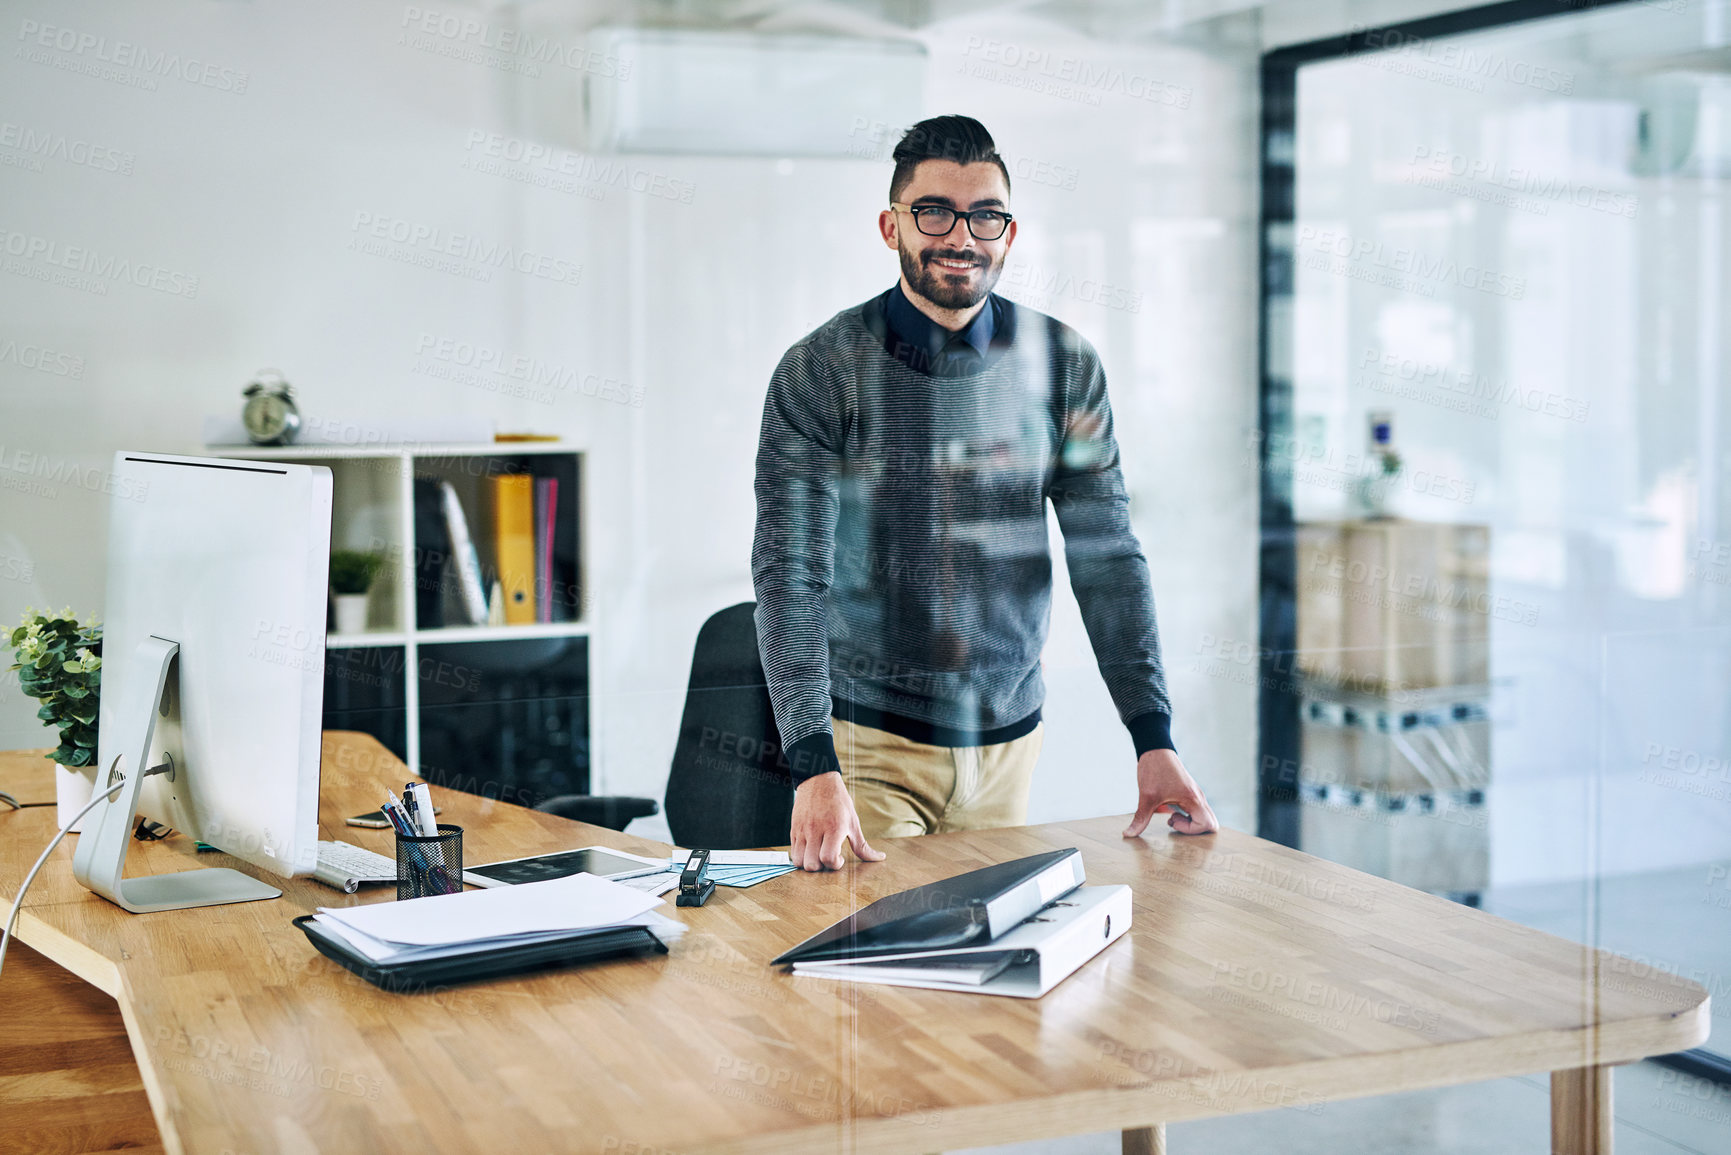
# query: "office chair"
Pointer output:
{"type": "Point", "coordinates": [729, 788]}
{"type": "Point", "coordinates": [614, 811]}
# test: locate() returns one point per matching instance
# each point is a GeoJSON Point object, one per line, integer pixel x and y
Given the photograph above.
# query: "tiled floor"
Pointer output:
{"type": "Point", "coordinates": [1668, 919]}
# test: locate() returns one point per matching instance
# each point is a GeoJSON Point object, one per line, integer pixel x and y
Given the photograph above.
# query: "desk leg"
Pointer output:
{"type": "Point", "coordinates": [1580, 1111]}
{"type": "Point", "coordinates": [1146, 1140]}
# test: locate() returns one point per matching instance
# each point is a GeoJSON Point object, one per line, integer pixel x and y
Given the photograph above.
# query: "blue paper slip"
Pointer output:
{"type": "Point", "coordinates": [743, 874]}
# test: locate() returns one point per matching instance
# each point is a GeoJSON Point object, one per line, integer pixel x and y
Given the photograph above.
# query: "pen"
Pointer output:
{"type": "Point", "coordinates": [409, 807]}
{"type": "Point", "coordinates": [441, 871]}
{"type": "Point", "coordinates": [393, 810]}
{"type": "Point", "coordinates": [399, 819]}
{"type": "Point", "coordinates": [423, 807]}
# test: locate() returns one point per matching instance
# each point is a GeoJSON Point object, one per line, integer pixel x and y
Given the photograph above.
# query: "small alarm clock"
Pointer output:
{"type": "Point", "coordinates": [269, 414]}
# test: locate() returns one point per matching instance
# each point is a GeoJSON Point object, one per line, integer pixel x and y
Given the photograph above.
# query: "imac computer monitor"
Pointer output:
{"type": "Point", "coordinates": [213, 655]}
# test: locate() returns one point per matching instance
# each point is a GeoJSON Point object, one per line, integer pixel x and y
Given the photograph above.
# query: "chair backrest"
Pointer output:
{"type": "Point", "coordinates": [729, 787]}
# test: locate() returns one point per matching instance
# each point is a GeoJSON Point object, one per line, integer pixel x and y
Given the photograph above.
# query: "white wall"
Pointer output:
{"type": "Point", "coordinates": [257, 194]}
{"type": "Point", "coordinates": [253, 192]}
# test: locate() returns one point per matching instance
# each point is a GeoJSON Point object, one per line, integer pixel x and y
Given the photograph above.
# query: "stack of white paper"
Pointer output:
{"type": "Point", "coordinates": [453, 924]}
{"type": "Point", "coordinates": [651, 883]}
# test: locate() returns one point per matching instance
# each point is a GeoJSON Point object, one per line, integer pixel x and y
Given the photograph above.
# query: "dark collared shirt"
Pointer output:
{"type": "Point", "coordinates": [923, 344]}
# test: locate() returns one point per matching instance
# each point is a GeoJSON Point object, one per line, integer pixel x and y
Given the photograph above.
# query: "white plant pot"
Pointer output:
{"type": "Point", "coordinates": [351, 613]}
{"type": "Point", "coordinates": [73, 786]}
{"type": "Point", "coordinates": [1374, 492]}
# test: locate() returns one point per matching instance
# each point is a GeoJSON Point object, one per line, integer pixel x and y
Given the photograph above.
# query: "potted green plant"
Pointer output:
{"type": "Point", "coordinates": [1382, 466]}
{"type": "Point", "coordinates": [60, 664]}
{"type": "Point", "coordinates": [352, 574]}
{"type": "Point", "coordinates": [1376, 484]}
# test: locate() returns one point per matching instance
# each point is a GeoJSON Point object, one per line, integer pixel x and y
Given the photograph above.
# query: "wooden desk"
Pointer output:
{"type": "Point", "coordinates": [1255, 977]}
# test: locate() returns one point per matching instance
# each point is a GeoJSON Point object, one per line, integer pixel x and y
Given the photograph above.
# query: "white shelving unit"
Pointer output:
{"type": "Point", "coordinates": [373, 509]}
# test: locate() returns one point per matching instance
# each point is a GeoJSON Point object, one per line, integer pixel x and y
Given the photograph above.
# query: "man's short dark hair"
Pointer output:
{"type": "Point", "coordinates": [959, 138]}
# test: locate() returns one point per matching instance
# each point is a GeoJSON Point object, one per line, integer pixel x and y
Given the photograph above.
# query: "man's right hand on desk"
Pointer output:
{"type": "Point", "coordinates": [824, 819]}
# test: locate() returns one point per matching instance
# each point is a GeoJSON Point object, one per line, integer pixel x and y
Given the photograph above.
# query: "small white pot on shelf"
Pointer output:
{"type": "Point", "coordinates": [351, 613]}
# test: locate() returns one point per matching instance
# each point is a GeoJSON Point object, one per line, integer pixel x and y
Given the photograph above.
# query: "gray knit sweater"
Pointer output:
{"type": "Point", "coordinates": [901, 560]}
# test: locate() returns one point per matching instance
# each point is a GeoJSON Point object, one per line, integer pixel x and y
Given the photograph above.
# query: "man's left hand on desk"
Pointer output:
{"type": "Point", "coordinates": [1162, 783]}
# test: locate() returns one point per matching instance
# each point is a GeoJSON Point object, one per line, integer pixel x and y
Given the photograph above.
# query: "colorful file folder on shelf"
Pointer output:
{"type": "Point", "coordinates": [514, 544]}
{"type": "Point", "coordinates": [546, 532]}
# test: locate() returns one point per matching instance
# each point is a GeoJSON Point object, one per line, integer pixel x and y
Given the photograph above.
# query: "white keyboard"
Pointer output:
{"type": "Point", "coordinates": [343, 863]}
{"type": "Point", "coordinates": [356, 862]}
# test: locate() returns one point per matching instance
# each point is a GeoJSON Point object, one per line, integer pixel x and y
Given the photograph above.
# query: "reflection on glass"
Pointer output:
{"type": "Point", "coordinates": [1513, 246]}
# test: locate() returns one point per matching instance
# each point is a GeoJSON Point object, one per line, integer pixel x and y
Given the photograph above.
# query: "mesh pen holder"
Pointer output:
{"type": "Point", "coordinates": [430, 864]}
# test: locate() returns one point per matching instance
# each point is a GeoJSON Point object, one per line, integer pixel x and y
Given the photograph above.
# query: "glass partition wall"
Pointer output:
{"type": "Point", "coordinates": [1496, 564]}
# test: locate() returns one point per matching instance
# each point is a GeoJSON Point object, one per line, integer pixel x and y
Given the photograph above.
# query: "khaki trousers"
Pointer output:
{"type": "Point", "coordinates": [901, 787]}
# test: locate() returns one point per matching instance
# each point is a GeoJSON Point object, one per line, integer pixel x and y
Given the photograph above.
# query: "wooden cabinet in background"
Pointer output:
{"type": "Point", "coordinates": [1392, 605]}
{"type": "Point", "coordinates": [1394, 631]}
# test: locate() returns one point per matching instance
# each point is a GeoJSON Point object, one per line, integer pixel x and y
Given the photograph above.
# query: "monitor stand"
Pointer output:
{"type": "Point", "coordinates": [101, 855]}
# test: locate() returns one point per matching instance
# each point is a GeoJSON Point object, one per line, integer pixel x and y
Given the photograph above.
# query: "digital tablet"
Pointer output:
{"type": "Point", "coordinates": [596, 860]}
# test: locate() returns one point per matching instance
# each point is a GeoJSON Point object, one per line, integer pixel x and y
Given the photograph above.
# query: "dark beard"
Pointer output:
{"type": "Point", "coordinates": [929, 282]}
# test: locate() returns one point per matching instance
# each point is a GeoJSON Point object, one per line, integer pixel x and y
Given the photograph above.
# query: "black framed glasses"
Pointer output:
{"type": "Point", "coordinates": [938, 220]}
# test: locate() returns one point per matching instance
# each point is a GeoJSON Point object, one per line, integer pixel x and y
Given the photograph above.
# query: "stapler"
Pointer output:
{"type": "Point", "coordinates": [695, 885]}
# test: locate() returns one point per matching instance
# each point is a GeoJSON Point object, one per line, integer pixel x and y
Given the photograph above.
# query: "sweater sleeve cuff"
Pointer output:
{"type": "Point", "coordinates": [812, 755]}
{"type": "Point", "coordinates": [1151, 731]}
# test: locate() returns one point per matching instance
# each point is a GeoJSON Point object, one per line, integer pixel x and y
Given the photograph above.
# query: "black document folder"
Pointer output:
{"type": "Point", "coordinates": [432, 547]}
{"type": "Point", "coordinates": [975, 907]}
{"type": "Point", "coordinates": [494, 960]}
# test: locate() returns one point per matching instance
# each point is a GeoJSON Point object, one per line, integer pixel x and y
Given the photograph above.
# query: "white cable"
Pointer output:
{"type": "Point", "coordinates": [18, 903]}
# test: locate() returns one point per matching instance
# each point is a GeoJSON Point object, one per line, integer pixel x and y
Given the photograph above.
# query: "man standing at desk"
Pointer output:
{"type": "Point", "coordinates": [901, 562]}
